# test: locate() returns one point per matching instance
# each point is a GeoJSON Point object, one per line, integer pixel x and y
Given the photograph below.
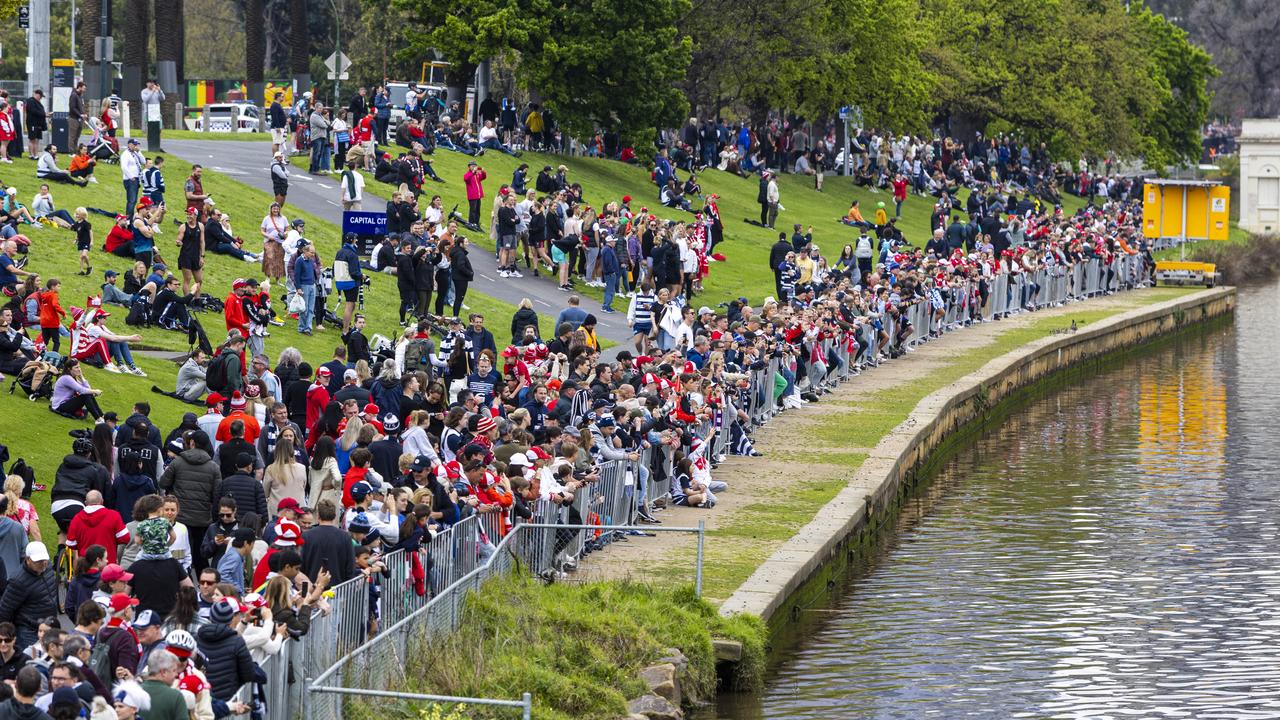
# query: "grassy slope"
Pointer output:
{"type": "Point", "coordinates": [577, 648]}
{"type": "Point", "coordinates": [747, 246]}
{"type": "Point", "coordinates": [31, 431]}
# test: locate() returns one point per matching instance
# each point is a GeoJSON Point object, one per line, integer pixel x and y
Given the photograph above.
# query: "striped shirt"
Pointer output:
{"type": "Point", "coordinates": [642, 308]}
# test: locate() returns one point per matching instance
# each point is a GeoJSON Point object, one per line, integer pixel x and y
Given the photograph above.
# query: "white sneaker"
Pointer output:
{"type": "Point", "coordinates": [137, 371]}
{"type": "Point", "coordinates": [111, 368]}
{"type": "Point", "coordinates": [515, 274]}
{"type": "Point", "coordinates": [504, 274]}
{"type": "Point", "coordinates": [93, 179]}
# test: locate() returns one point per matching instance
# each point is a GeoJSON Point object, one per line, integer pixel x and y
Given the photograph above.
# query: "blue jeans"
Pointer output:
{"type": "Point", "coordinates": [130, 196]}
{"type": "Point", "coordinates": [319, 156]}
{"type": "Point", "coordinates": [120, 353]}
{"type": "Point", "coordinates": [493, 144]}
{"type": "Point", "coordinates": [308, 313]}
{"type": "Point", "coordinates": [610, 289]}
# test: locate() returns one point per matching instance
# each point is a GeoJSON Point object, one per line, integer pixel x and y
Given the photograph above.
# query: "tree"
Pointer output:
{"type": "Point", "coordinates": [809, 58]}
{"type": "Point", "coordinates": [255, 47]}
{"type": "Point", "coordinates": [1184, 71]}
{"type": "Point", "coordinates": [137, 41]}
{"type": "Point", "coordinates": [87, 28]}
{"type": "Point", "coordinates": [299, 44]}
{"type": "Point", "coordinates": [466, 34]}
{"type": "Point", "coordinates": [169, 44]}
{"type": "Point", "coordinates": [611, 64]}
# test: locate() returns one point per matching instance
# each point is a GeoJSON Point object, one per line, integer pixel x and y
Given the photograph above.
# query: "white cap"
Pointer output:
{"type": "Point", "coordinates": [350, 374]}
{"type": "Point", "coordinates": [519, 459]}
{"type": "Point", "coordinates": [37, 552]}
{"type": "Point", "coordinates": [770, 301]}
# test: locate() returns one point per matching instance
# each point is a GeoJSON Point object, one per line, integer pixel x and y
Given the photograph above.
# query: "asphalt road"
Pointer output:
{"type": "Point", "coordinates": [250, 163]}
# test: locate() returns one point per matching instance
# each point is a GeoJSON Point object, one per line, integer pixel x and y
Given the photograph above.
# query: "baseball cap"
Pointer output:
{"type": "Point", "coordinates": [324, 371]}
{"type": "Point", "coordinates": [420, 463]}
{"type": "Point", "coordinates": [286, 503]}
{"type": "Point", "coordinates": [114, 572]}
{"type": "Point", "coordinates": [37, 552]}
{"type": "Point", "coordinates": [371, 409]}
{"type": "Point", "coordinates": [120, 601]}
{"type": "Point", "coordinates": [350, 375]}
{"type": "Point", "coordinates": [519, 459]}
{"type": "Point", "coordinates": [360, 490]}
{"type": "Point", "coordinates": [109, 273]}
{"type": "Point", "coordinates": [147, 618]}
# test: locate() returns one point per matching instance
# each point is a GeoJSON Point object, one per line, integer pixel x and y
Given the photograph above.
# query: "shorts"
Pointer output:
{"type": "Point", "coordinates": [35, 134]}
{"type": "Point", "coordinates": [351, 294]}
{"type": "Point", "coordinates": [83, 246]}
{"type": "Point", "coordinates": [642, 328]}
{"type": "Point", "coordinates": [63, 517]}
{"type": "Point", "coordinates": [277, 135]}
{"type": "Point", "coordinates": [507, 242]}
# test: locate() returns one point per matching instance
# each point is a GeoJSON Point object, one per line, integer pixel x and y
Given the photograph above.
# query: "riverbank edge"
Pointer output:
{"type": "Point", "coordinates": [804, 565]}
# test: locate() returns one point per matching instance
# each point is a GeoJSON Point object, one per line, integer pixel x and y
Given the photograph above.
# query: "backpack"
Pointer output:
{"type": "Point", "coordinates": [139, 312]}
{"type": "Point", "coordinates": [863, 249]}
{"type": "Point", "coordinates": [416, 355]}
{"type": "Point", "coordinates": [100, 658]}
{"type": "Point", "coordinates": [27, 473]}
{"type": "Point", "coordinates": [215, 377]}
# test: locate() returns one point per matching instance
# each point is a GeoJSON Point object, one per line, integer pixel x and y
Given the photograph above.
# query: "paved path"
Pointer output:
{"type": "Point", "coordinates": [249, 162]}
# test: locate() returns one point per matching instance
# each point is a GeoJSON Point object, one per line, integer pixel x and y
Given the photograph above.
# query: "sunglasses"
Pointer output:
{"type": "Point", "coordinates": [207, 583]}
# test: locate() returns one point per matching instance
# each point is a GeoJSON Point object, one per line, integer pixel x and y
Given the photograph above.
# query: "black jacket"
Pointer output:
{"type": "Point", "coordinates": [524, 317]}
{"type": "Point", "coordinates": [295, 397]}
{"type": "Point", "coordinates": [37, 117]}
{"type": "Point", "coordinates": [194, 477]}
{"type": "Point", "coordinates": [228, 664]}
{"type": "Point", "coordinates": [28, 597]}
{"type": "Point", "coordinates": [326, 546]}
{"type": "Point", "coordinates": [461, 265]}
{"type": "Point", "coordinates": [76, 476]}
{"type": "Point", "coordinates": [778, 253]}
{"type": "Point", "coordinates": [248, 494]}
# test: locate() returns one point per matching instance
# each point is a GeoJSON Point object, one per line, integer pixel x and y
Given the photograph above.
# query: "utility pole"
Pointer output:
{"type": "Point", "coordinates": [38, 49]}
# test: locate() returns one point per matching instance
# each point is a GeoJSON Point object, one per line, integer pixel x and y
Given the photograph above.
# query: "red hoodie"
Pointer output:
{"type": "Point", "coordinates": [97, 525]}
{"type": "Point", "coordinates": [353, 476]}
{"type": "Point", "coordinates": [317, 400]}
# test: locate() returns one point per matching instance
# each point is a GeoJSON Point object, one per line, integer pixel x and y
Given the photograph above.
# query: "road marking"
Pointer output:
{"type": "Point", "coordinates": [331, 202]}
{"type": "Point", "coordinates": [326, 187]}
{"type": "Point", "coordinates": [544, 302]}
{"type": "Point", "coordinates": [228, 171]}
{"type": "Point", "coordinates": [486, 277]}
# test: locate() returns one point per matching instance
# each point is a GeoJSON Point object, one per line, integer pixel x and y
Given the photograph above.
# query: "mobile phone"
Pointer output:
{"type": "Point", "coordinates": [306, 588]}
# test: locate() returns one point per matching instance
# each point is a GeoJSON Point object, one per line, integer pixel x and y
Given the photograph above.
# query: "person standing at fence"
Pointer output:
{"type": "Point", "coordinates": [328, 547]}
{"type": "Point", "coordinates": [228, 662]}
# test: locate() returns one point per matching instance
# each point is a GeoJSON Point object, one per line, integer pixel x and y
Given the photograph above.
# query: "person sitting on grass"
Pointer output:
{"type": "Point", "coordinates": [72, 394]}
{"type": "Point", "coordinates": [47, 168]}
{"type": "Point", "coordinates": [117, 345]}
{"type": "Point", "coordinates": [15, 211]}
{"type": "Point", "coordinates": [45, 211]}
{"type": "Point", "coordinates": [82, 165]}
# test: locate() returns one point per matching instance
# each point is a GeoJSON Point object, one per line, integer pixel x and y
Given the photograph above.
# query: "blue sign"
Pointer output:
{"type": "Point", "coordinates": [364, 223]}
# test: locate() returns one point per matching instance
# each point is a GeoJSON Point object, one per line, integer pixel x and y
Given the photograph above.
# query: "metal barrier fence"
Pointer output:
{"type": "Point", "coordinates": [357, 648]}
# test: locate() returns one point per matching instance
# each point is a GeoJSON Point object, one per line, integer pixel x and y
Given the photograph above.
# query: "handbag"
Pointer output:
{"type": "Point", "coordinates": [296, 304]}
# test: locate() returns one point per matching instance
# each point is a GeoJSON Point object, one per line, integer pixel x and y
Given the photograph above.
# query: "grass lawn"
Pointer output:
{"type": "Point", "coordinates": [746, 273]}
{"type": "Point", "coordinates": [32, 432]}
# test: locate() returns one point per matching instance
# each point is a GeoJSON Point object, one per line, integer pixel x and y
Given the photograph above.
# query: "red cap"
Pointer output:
{"type": "Point", "coordinates": [214, 399]}
{"type": "Point", "coordinates": [371, 409]}
{"type": "Point", "coordinates": [288, 504]}
{"type": "Point", "coordinates": [120, 601]}
{"type": "Point", "coordinates": [539, 454]}
{"type": "Point", "coordinates": [114, 572]}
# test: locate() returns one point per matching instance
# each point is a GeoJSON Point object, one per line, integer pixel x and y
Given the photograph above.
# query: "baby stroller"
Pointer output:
{"type": "Point", "coordinates": [101, 145]}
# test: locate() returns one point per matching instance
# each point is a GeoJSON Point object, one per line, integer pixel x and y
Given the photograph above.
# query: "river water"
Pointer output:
{"type": "Point", "coordinates": [1108, 550]}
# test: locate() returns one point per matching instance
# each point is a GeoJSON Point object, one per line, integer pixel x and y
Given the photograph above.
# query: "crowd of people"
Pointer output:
{"type": "Point", "coordinates": [200, 549]}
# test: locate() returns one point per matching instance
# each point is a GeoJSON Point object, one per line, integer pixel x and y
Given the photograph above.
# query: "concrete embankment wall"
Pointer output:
{"type": "Point", "coordinates": [808, 563]}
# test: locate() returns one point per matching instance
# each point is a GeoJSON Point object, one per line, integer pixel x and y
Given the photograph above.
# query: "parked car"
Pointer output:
{"type": "Point", "coordinates": [229, 117]}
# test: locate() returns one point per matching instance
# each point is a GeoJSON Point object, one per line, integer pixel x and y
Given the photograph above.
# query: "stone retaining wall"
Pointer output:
{"type": "Point", "coordinates": [904, 452]}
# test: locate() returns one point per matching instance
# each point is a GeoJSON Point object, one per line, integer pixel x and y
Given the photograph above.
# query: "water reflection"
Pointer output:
{"type": "Point", "coordinates": [1109, 551]}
